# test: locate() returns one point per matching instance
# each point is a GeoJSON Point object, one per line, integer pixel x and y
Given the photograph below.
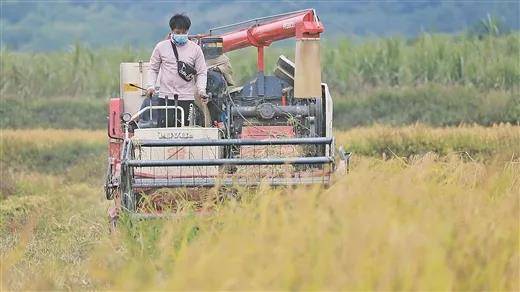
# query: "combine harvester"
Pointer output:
{"type": "Point", "coordinates": [274, 129]}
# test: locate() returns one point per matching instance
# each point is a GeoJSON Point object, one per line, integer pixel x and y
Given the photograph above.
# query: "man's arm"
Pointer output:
{"type": "Point", "coordinates": [202, 74]}
{"type": "Point", "coordinates": [155, 65]}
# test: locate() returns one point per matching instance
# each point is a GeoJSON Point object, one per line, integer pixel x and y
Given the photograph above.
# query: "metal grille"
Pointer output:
{"type": "Point", "coordinates": [193, 163]}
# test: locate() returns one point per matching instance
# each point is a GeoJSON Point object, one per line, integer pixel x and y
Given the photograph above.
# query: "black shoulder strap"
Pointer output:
{"type": "Point", "coordinates": [175, 51]}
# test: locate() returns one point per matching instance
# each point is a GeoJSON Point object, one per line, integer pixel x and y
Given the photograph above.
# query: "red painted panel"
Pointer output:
{"type": "Point", "coordinates": [115, 108]}
{"type": "Point", "coordinates": [115, 133]}
{"type": "Point", "coordinates": [299, 26]}
{"type": "Point", "coordinates": [114, 150]}
{"type": "Point", "coordinates": [267, 132]}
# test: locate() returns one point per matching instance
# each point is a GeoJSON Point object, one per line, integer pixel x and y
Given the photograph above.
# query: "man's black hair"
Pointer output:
{"type": "Point", "coordinates": [180, 21]}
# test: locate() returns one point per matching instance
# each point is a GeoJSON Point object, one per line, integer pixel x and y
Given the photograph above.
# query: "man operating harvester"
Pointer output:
{"type": "Point", "coordinates": [179, 63]}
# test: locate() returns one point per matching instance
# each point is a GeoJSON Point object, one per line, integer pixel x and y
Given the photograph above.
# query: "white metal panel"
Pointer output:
{"type": "Point", "coordinates": [177, 153]}
{"type": "Point", "coordinates": [328, 113]}
{"type": "Point", "coordinates": [135, 73]}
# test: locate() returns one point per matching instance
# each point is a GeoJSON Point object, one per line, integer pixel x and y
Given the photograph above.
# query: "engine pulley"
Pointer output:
{"type": "Point", "coordinates": [266, 110]}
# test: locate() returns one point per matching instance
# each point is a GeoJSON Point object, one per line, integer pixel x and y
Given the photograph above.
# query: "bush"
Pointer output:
{"type": "Point", "coordinates": [489, 62]}
{"type": "Point", "coordinates": [433, 105]}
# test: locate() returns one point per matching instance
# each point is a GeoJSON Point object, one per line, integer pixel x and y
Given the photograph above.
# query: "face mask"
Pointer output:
{"type": "Point", "coordinates": [180, 39]}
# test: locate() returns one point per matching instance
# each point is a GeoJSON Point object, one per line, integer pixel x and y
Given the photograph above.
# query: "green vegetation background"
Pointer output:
{"type": "Point", "coordinates": [433, 79]}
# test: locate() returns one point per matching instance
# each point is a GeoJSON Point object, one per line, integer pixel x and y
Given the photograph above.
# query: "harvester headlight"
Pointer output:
{"type": "Point", "coordinates": [126, 117]}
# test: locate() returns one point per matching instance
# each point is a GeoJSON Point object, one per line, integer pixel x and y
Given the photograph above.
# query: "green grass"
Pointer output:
{"type": "Point", "coordinates": [488, 63]}
{"type": "Point", "coordinates": [429, 104]}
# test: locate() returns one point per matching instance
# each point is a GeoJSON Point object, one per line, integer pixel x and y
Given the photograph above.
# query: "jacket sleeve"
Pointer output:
{"type": "Point", "coordinates": [202, 74]}
{"type": "Point", "coordinates": [155, 65]}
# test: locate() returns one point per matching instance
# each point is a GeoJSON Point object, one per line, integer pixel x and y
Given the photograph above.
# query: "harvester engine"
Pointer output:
{"type": "Point", "coordinates": [265, 102]}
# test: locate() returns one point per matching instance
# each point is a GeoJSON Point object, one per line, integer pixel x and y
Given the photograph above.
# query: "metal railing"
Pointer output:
{"type": "Point", "coordinates": [195, 163]}
{"type": "Point", "coordinates": [158, 107]}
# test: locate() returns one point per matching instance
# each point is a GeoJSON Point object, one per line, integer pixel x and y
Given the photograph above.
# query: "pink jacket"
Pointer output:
{"type": "Point", "coordinates": [164, 66]}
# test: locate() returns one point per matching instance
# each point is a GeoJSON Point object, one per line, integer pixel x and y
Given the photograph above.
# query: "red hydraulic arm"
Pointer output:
{"type": "Point", "coordinates": [263, 31]}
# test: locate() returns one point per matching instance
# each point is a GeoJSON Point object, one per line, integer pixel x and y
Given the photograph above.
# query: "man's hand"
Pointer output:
{"type": "Point", "coordinates": [204, 97]}
{"type": "Point", "coordinates": [201, 101]}
{"type": "Point", "coordinates": [150, 91]}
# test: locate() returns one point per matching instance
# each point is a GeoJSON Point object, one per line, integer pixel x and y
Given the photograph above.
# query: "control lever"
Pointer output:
{"type": "Point", "coordinates": [166, 103]}
{"type": "Point", "coordinates": [203, 106]}
{"type": "Point", "coordinates": [176, 101]}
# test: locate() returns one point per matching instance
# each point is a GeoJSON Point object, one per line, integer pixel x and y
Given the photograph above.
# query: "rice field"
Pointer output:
{"type": "Point", "coordinates": [422, 209]}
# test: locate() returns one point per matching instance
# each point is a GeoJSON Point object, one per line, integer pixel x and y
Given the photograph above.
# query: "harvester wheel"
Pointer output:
{"type": "Point", "coordinates": [109, 190]}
